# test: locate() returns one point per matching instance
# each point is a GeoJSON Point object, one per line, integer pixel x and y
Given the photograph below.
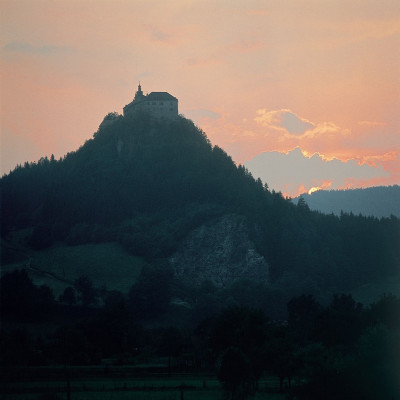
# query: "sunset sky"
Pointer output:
{"type": "Point", "coordinates": [306, 93]}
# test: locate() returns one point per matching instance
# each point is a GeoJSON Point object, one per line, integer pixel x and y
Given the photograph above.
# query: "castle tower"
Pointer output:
{"type": "Point", "coordinates": [139, 94]}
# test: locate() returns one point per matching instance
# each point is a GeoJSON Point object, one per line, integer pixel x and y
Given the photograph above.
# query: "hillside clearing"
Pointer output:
{"type": "Point", "coordinates": [106, 264]}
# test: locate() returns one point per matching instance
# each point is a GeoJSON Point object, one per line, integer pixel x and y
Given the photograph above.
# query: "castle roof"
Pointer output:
{"type": "Point", "coordinates": [160, 96]}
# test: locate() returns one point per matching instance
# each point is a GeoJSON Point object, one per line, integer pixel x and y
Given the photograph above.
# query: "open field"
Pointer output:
{"type": "Point", "coordinates": [148, 395]}
{"type": "Point", "coordinates": [106, 264]}
{"type": "Point", "coordinates": [94, 383]}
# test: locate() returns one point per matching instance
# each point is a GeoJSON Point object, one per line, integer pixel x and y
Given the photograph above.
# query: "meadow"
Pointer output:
{"type": "Point", "coordinates": [106, 265]}
{"type": "Point", "coordinates": [92, 383]}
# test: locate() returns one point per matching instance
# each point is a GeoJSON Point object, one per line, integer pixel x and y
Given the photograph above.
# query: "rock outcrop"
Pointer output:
{"type": "Point", "coordinates": [221, 252]}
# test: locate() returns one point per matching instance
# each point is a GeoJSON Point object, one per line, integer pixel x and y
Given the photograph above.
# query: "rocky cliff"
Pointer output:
{"type": "Point", "coordinates": [221, 252]}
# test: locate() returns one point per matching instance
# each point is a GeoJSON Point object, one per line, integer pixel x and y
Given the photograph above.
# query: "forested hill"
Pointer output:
{"type": "Point", "coordinates": [148, 183]}
{"type": "Point", "coordinates": [381, 201]}
{"type": "Point", "coordinates": [143, 171]}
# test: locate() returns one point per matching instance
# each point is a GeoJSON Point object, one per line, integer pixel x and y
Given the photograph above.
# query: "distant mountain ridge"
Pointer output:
{"type": "Point", "coordinates": [379, 201]}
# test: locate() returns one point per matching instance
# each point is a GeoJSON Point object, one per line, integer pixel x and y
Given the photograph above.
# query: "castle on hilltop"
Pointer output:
{"type": "Point", "coordinates": [157, 104]}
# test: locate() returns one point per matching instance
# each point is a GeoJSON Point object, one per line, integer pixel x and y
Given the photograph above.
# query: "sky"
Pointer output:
{"type": "Point", "coordinates": [304, 93]}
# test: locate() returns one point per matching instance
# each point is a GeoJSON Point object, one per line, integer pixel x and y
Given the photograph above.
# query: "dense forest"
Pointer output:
{"type": "Point", "coordinates": [145, 184]}
{"type": "Point", "coordinates": [380, 201]}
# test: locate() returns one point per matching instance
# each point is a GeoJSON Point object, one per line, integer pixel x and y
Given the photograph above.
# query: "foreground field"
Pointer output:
{"type": "Point", "coordinates": [155, 395]}
{"type": "Point", "coordinates": [98, 384]}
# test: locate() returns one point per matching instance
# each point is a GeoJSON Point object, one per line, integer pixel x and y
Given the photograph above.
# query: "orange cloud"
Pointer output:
{"type": "Point", "coordinates": [326, 184]}
{"type": "Point", "coordinates": [303, 188]}
{"type": "Point", "coordinates": [300, 190]}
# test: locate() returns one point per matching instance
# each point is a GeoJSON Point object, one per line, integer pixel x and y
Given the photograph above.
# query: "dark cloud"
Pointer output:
{"type": "Point", "coordinates": [159, 35]}
{"type": "Point", "coordinates": [293, 124]}
{"type": "Point", "coordinates": [27, 48]}
{"type": "Point", "coordinates": [287, 172]}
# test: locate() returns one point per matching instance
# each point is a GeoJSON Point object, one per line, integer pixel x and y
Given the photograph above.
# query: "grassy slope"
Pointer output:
{"type": "Point", "coordinates": [105, 264]}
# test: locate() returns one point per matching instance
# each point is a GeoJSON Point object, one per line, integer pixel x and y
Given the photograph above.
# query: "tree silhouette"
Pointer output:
{"type": "Point", "coordinates": [87, 294]}
{"type": "Point", "coordinates": [68, 296]}
{"type": "Point", "coordinates": [236, 374]}
{"type": "Point", "coordinates": [149, 297]}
